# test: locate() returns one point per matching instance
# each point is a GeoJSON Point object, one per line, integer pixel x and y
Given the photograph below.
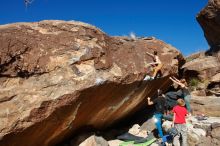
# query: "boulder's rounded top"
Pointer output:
{"type": "Point", "coordinates": [52, 23]}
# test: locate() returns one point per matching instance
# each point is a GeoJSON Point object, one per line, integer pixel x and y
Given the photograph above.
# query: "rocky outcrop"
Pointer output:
{"type": "Point", "coordinates": [209, 19]}
{"type": "Point", "coordinates": [203, 67]}
{"type": "Point", "coordinates": [206, 70]}
{"type": "Point", "coordinates": [204, 132]}
{"type": "Point", "coordinates": [208, 105]}
{"type": "Point", "coordinates": [59, 77]}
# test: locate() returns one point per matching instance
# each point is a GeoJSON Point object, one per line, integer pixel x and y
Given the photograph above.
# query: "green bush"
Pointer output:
{"type": "Point", "coordinates": [194, 82]}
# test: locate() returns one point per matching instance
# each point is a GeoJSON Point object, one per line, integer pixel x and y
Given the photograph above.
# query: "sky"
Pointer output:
{"type": "Point", "coordinates": [173, 21]}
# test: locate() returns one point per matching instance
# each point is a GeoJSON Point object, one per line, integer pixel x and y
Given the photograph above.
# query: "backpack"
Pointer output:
{"type": "Point", "coordinates": [172, 132]}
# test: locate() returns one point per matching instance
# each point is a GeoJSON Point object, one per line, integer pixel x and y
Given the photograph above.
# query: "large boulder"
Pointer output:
{"type": "Point", "coordinates": [209, 19]}
{"type": "Point", "coordinates": [58, 77]}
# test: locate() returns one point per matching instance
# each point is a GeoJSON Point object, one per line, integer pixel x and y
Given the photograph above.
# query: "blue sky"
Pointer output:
{"type": "Point", "coordinates": [172, 21]}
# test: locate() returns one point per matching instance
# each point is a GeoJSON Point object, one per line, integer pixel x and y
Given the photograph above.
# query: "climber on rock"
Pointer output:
{"type": "Point", "coordinates": [157, 65]}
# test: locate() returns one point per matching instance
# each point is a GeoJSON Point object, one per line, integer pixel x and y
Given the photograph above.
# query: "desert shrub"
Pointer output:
{"type": "Point", "coordinates": [194, 82]}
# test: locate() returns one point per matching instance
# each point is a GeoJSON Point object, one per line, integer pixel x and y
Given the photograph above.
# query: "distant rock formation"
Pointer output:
{"type": "Point", "coordinates": [205, 69]}
{"type": "Point", "coordinates": [209, 19]}
{"type": "Point", "coordinates": [57, 77]}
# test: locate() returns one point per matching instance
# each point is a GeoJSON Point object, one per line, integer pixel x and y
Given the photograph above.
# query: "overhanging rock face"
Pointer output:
{"type": "Point", "coordinates": [58, 77]}
{"type": "Point", "coordinates": [209, 19]}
